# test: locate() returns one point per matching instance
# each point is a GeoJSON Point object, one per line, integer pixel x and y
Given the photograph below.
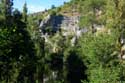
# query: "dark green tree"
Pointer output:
{"type": "Point", "coordinates": [1, 12]}
{"type": "Point", "coordinates": [8, 10]}
{"type": "Point", "coordinates": [53, 7]}
{"type": "Point", "coordinates": [25, 10]}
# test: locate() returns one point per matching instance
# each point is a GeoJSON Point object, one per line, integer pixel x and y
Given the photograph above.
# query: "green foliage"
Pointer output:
{"type": "Point", "coordinates": [1, 9]}
{"type": "Point", "coordinates": [25, 10]}
{"type": "Point", "coordinates": [53, 7]}
{"type": "Point", "coordinates": [98, 55]}
{"type": "Point", "coordinates": [88, 9]}
{"type": "Point", "coordinates": [86, 21]}
{"type": "Point", "coordinates": [16, 49]}
{"type": "Point", "coordinates": [58, 9]}
{"type": "Point", "coordinates": [8, 8]}
{"type": "Point", "coordinates": [26, 57]}
{"type": "Point", "coordinates": [92, 4]}
{"type": "Point", "coordinates": [53, 12]}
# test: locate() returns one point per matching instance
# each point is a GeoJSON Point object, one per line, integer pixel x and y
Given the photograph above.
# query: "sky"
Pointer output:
{"type": "Point", "coordinates": [37, 5]}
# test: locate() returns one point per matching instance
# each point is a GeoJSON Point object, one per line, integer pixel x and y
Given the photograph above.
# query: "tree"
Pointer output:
{"type": "Point", "coordinates": [25, 12]}
{"type": "Point", "coordinates": [25, 50]}
{"type": "Point", "coordinates": [39, 44]}
{"type": "Point", "coordinates": [6, 11]}
{"type": "Point", "coordinates": [53, 7]}
{"type": "Point", "coordinates": [17, 52]}
{"type": "Point", "coordinates": [1, 7]}
{"type": "Point", "coordinates": [76, 69]}
{"type": "Point", "coordinates": [114, 14]}
{"type": "Point", "coordinates": [8, 8]}
{"type": "Point", "coordinates": [1, 12]}
{"type": "Point", "coordinates": [89, 10]}
{"type": "Point", "coordinates": [17, 15]}
{"type": "Point", "coordinates": [100, 54]}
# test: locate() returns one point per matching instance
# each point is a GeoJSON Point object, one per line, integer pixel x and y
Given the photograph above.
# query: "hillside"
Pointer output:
{"type": "Point", "coordinates": [65, 18]}
{"type": "Point", "coordinates": [82, 41]}
{"type": "Point", "coordinates": [90, 27]}
{"type": "Point", "coordinates": [67, 9]}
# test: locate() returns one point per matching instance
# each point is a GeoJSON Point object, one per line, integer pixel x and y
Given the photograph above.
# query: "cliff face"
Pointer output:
{"type": "Point", "coordinates": [66, 21]}
{"type": "Point", "coordinates": [68, 24]}
{"type": "Point", "coordinates": [52, 22]}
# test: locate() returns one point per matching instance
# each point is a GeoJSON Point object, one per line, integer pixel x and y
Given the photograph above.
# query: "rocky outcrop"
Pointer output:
{"type": "Point", "coordinates": [45, 21]}
{"type": "Point", "coordinates": [51, 21]}
{"type": "Point", "coordinates": [69, 25]}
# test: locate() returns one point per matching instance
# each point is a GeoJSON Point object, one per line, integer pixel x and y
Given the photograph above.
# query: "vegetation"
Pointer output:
{"type": "Point", "coordinates": [26, 57]}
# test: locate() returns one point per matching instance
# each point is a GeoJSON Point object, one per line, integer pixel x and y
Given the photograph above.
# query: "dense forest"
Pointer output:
{"type": "Point", "coordinates": [82, 41]}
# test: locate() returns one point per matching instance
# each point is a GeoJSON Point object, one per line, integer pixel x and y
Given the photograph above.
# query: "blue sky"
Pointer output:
{"type": "Point", "coordinates": [37, 5]}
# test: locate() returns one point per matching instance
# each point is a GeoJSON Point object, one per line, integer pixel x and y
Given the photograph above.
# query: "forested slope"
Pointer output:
{"type": "Point", "coordinates": [82, 41]}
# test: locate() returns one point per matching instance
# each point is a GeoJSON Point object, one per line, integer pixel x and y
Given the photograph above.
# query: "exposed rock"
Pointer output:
{"type": "Point", "coordinates": [73, 41]}
{"type": "Point", "coordinates": [52, 22]}
{"type": "Point", "coordinates": [68, 25]}
{"type": "Point", "coordinates": [45, 21]}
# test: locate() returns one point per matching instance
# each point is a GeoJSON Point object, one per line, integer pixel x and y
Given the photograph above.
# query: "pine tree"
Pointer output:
{"type": "Point", "coordinates": [25, 12]}
{"type": "Point", "coordinates": [8, 8]}
{"type": "Point", "coordinates": [1, 12]}
{"type": "Point", "coordinates": [1, 7]}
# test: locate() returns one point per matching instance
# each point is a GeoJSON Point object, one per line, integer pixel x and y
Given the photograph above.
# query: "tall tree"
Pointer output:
{"type": "Point", "coordinates": [6, 11]}
{"type": "Point", "coordinates": [25, 10]}
{"type": "Point", "coordinates": [8, 8]}
{"type": "Point", "coordinates": [1, 12]}
{"type": "Point", "coordinates": [1, 6]}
